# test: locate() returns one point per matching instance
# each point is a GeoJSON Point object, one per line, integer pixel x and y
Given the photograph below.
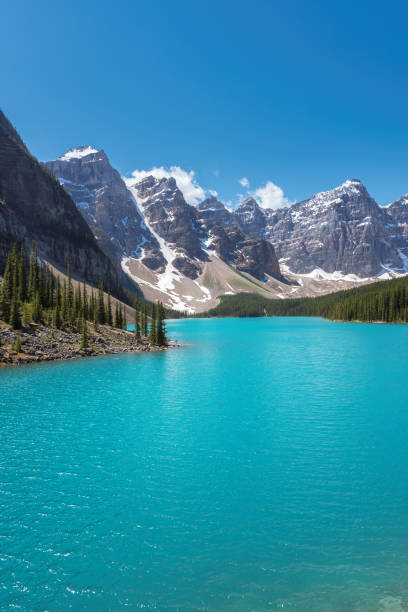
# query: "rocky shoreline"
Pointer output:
{"type": "Point", "coordinates": [44, 343]}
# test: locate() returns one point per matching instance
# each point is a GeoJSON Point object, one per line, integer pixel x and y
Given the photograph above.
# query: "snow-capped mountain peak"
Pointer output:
{"type": "Point", "coordinates": [78, 153]}
{"type": "Point", "coordinates": [349, 190]}
{"type": "Point", "coordinates": [211, 203]}
{"type": "Point", "coordinates": [248, 203]}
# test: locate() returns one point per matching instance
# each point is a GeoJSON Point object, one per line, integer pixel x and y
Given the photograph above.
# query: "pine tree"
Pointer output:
{"type": "Point", "coordinates": [14, 272]}
{"type": "Point", "coordinates": [124, 317]}
{"type": "Point", "coordinates": [77, 308]}
{"type": "Point", "coordinates": [64, 304]}
{"type": "Point", "coordinates": [34, 275]}
{"type": "Point", "coordinates": [145, 320]}
{"type": "Point", "coordinates": [36, 310]}
{"type": "Point", "coordinates": [42, 279]}
{"type": "Point", "coordinates": [22, 276]}
{"type": "Point", "coordinates": [26, 315]}
{"type": "Point", "coordinates": [4, 304]}
{"type": "Point", "coordinates": [7, 289]}
{"type": "Point", "coordinates": [91, 311]}
{"type": "Point", "coordinates": [84, 302]}
{"type": "Point", "coordinates": [15, 320]}
{"type": "Point", "coordinates": [95, 316]}
{"type": "Point", "coordinates": [109, 313]}
{"type": "Point", "coordinates": [70, 290]}
{"type": "Point", "coordinates": [141, 322]}
{"type": "Point", "coordinates": [161, 338]}
{"type": "Point", "coordinates": [152, 332]}
{"type": "Point", "coordinates": [84, 339]}
{"type": "Point", "coordinates": [117, 316]}
{"type": "Point", "coordinates": [57, 298]}
{"type": "Point", "coordinates": [17, 344]}
{"type": "Point", "coordinates": [49, 289]}
{"type": "Point", "coordinates": [101, 305]}
{"type": "Point", "coordinates": [137, 318]}
{"type": "Point", "coordinates": [56, 316]}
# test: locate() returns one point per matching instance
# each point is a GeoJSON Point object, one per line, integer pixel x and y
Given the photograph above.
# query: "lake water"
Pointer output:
{"type": "Point", "coordinates": [263, 466]}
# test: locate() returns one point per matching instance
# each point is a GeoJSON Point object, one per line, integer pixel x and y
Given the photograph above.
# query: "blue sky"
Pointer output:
{"type": "Point", "coordinates": [304, 95]}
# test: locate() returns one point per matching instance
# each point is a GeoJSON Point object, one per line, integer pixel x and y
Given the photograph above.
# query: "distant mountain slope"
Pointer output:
{"type": "Point", "coordinates": [338, 236]}
{"type": "Point", "coordinates": [343, 229]}
{"type": "Point", "coordinates": [34, 207]}
{"type": "Point", "coordinates": [398, 211]}
{"type": "Point", "coordinates": [340, 231]}
{"type": "Point", "coordinates": [385, 301]}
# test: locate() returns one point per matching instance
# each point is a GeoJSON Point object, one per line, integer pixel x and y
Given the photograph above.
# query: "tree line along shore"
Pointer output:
{"type": "Point", "coordinates": [43, 317]}
{"type": "Point", "coordinates": [381, 301]}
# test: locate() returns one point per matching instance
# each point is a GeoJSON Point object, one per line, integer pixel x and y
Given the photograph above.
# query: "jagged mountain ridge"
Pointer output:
{"type": "Point", "coordinates": [166, 244]}
{"type": "Point", "coordinates": [342, 231]}
{"type": "Point", "coordinates": [35, 208]}
{"type": "Point", "coordinates": [148, 228]}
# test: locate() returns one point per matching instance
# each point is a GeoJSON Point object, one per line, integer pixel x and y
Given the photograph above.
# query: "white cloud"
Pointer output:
{"type": "Point", "coordinates": [271, 196]}
{"type": "Point", "coordinates": [186, 181]}
{"type": "Point", "coordinates": [244, 182]}
{"type": "Point", "coordinates": [213, 192]}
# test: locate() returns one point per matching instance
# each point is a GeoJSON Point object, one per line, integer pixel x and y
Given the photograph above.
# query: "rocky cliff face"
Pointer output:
{"type": "Point", "coordinates": [213, 212]}
{"type": "Point", "coordinates": [251, 218]}
{"type": "Point", "coordinates": [172, 221]}
{"type": "Point", "coordinates": [248, 253]}
{"type": "Point", "coordinates": [106, 204]}
{"type": "Point", "coordinates": [398, 224]}
{"type": "Point", "coordinates": [34, 207]}
{"type": "Point", "coordinates": [343, 229]}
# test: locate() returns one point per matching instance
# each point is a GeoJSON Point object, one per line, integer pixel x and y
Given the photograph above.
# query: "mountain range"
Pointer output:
{"type": "Point", "coordinates": [188, 255]}
{"type": "Point", "coordinates": [143, 233]}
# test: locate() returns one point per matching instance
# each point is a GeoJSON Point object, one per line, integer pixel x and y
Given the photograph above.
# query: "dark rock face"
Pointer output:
{"type": "Point", "coordinates": [251, 218]}
{"type": "Point", "coordinates": [213, 212]}
{"type": "Point", "coordinates": [174, 221]}
{"type": "Point", "coordinates": [171, 217]}
{"type": "Point", "coordinates": [343, 229]}
{"type": "Point", "coordinates": [398, 224]}
{"type": "Point", "coordinates": [34, 207]}
{"type": "Point", "coordinates": [187, 267]}
{"type": "Point", "coordinates": [107, 205]}
{"type": "Point", "coordinates": [255, 256]}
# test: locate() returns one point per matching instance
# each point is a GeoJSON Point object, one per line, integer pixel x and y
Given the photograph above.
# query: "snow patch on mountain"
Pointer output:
{"type": "Point", "coordinates": [319, 274]}
{"type": "Point", "coordinates": [167, 279]}
{"type": "Point", "coordinates": [78, 153]}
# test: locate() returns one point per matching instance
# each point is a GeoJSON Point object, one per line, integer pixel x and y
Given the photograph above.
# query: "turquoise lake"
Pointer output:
{"type": "Point", "coordinates": [263, 466]}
